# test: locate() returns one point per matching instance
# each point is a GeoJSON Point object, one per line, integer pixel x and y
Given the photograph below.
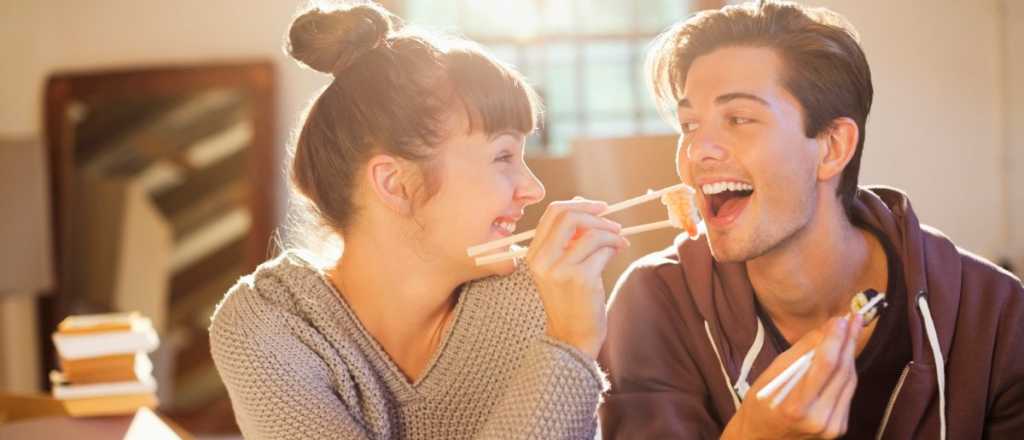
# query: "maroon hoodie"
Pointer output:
{"type": "Point", "coordinates": [679, 323]}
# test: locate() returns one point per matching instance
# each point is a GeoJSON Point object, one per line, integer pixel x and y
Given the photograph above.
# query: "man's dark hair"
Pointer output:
{"type": "Point", "coordinates": [823, 64]}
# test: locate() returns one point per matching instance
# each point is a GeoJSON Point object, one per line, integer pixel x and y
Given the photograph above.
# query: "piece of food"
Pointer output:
{"type": "Point", "coordinates": [682, 211]}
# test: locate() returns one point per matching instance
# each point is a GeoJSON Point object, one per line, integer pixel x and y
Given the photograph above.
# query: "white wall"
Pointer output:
{"type": "Point", "coordinates": [1013, 79]}
{"type": "Point", "coordinates": [936, 126]}
{"type": "Point", "coordinates": [42, 36]}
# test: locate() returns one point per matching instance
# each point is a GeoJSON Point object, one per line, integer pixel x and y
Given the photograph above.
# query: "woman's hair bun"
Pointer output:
{"type": "Point", "coordinates": [330, 40]}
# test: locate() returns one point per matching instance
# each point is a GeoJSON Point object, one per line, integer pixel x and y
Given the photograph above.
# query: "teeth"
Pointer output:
{"type": "Point", "coordinates": [506, 225]}
{"type": "Point", "coordinates": [720, 187]}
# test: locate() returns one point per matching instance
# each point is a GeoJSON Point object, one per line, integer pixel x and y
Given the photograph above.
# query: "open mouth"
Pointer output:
{"type": "Point", "coordinates": [504, 226]}
{"type": "Point", "coordinates": [726, 200]}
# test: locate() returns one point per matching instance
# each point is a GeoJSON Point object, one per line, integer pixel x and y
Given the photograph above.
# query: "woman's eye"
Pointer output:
{"type": "Point", "coordinates": [739, 120]}
{"type": "Point", "coordinates": [688, 127]}
{"type": "Point", "coordinates": [504, 158]}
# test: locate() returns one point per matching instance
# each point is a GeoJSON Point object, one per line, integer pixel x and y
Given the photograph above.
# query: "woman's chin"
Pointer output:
{"type": "Point", "coordinates": [503, 268]}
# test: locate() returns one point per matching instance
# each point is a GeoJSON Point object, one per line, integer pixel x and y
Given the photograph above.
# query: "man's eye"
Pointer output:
{"type": "Point", "coordinates": [739, 120]}
{"type": "Point", "coordinates": [504, 158]}
{"type": "Point", "coordinates": [688, 127]}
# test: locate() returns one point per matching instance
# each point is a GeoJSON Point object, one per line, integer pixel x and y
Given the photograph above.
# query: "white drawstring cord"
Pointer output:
{"type": "Point", "coordinates": [728, 382]}
{"type": "Point", "coordinates": [748, 362]}
{"type": "Point", "coordinates": [940, 365]}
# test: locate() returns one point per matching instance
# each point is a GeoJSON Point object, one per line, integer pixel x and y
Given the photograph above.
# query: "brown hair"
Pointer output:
{"type": "Point", "coordinates": [824, 66]}
{"type": "Point", "coordinates": [392, 88]}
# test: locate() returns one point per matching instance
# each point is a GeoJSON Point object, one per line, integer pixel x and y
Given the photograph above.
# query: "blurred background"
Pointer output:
{"type": "Point", "coordinates": [141, 145]}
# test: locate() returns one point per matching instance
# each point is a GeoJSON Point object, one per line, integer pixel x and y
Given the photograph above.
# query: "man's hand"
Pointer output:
{"type": "Point", "coordinates": [819, 405]}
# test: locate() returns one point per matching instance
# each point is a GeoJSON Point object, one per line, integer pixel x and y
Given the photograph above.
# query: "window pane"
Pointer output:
{"type": "Point", "coordinates": [434, 13]}
{"type": "Point", "coordinates": [606, 16]}
{"type": "Point", "coordinates": [644, 98]}
{"type": "Point", "coordinates": [653, 123]}
{"type": "Point", "coordinates": [506, 53]}
{"type": "Point", "coordinates": [608, 78]}
{"type": "Point", "coordinates": [590, 86]}
{"type": "Point", "coordinates": [493, 18]}
{"type": "Point", "coordinates": [657, 15]}
{"type": "Point", "coordinates": [560, 82]}
{"type": "Point", "coordinates": [612, 126]}
{"type": "Point", "coordinates": [562, 132]}
{"type": "Point", "coordinates": [558, 17]}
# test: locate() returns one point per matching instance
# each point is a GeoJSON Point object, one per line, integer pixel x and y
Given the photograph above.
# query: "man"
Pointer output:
{"type": "Point", "coordinates": [772, 102]}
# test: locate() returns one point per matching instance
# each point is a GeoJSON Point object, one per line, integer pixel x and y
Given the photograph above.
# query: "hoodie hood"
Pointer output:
{"type": "Point", "coordinates": [931, 267]}
{"type": "Point", "coordinates": [888, 211]}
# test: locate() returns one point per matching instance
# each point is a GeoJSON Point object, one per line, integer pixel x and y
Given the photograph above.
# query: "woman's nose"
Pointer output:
{"type": "Point", "coordinates": [530, 190]}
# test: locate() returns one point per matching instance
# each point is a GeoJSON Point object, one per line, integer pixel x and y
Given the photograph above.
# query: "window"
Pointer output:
{"type": "Point", "coordinates": [584, 57]}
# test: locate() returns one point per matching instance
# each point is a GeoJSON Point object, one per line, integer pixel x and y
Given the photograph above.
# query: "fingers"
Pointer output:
{"type": "Point", "coordinates": [595, 264]}
{"type": "Point", "coordinates": [838, 424]}
{"type": "Point", "coordinates": [788, 357]}
{"type": "Point", "coordinates": [554, 212]}
{"type": "Point", "coordinates": [828, 409]}
{"type": "Point", "coordinates": [826, 361]}
{"type": "Point", "coordinates": [819, 404]}
{"type": "Point", "coordinates": [591, 240]}
{"type": "Point", "coordinates": [560, 225]}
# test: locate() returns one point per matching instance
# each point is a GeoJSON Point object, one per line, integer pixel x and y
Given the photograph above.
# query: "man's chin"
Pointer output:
{"type": "Point", "coordinates": [727, 258]}
{"type": "Point", "coordinates": [728, 252]}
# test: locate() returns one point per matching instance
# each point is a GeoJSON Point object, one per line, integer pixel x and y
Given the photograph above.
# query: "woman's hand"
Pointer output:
{"type": "Point", "coordinates": [566, 258]}
{"type": "Point", "coordinates": [819, 405]}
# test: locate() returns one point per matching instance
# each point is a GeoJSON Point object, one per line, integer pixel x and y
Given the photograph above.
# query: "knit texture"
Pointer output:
{"type": "Point", "coordinates": [298, 364]}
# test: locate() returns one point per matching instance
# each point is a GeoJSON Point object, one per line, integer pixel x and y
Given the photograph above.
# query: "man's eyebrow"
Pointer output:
{"type": "Point", "coordinates": [722, 99]}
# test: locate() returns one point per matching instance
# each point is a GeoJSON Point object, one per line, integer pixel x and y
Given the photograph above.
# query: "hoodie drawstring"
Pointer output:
{"type": "Point", "coordinates": [728, 382]}
{"type": "Point", "coordinates": [748, 362]}
{"type": "Point", "coordinates": [940, 365]}
{"type": "Point", "coordinates": [741, 386]}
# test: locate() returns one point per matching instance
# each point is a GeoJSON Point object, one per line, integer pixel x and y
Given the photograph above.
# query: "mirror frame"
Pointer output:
{"type": "Point", "coordinates": [65, 88]}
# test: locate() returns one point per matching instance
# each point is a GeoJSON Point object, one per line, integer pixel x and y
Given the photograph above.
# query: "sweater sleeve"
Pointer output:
{"type": "Point", "coordinates": [656, 388]}
{"type": "Point", "coordinates": [279, 388]}
{"type": "Point", "coordinates": [553, 395]}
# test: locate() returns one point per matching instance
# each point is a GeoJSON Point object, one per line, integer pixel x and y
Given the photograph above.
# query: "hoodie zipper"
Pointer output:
{"type": "Point", "coordinates": [892, 400]}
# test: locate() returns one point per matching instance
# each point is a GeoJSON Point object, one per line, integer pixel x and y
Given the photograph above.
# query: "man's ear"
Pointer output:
{"type": "Point", "coordinates": [386, 175]}
{"type": "Point", "coordinates": [838, 143]}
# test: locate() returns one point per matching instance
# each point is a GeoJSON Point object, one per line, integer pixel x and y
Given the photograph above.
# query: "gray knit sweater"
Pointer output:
{"type": "Point", "coordinates": [298, 364]}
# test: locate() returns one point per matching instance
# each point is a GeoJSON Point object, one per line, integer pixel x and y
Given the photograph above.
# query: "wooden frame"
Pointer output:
{"type": "Point", "coordinates": [64, 89]}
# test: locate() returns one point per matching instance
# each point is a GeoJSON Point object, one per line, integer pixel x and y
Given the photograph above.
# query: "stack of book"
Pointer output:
{"type": "Point", "coordinates": [104, 364]}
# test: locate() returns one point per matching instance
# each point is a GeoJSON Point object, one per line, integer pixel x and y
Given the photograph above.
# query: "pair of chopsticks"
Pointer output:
{"type": "Point", "coordinates": [789, 377]}
{"type": "Point", "coordinates": [498, 244]}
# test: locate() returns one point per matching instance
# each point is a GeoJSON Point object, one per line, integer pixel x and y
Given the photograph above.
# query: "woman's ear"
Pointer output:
{"type": "Point", "coordinates": [838, 143]}
{"type": "Point", "coordinates": [387, 175]}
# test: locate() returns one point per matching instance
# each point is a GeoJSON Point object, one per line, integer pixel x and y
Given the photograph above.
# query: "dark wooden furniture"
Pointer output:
{"type": "Point", "coordinates": [200, 140]}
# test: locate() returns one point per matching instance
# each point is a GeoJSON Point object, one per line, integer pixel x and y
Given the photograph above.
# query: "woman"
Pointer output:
{"type": "Point", "coordinates": [413, 153]}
